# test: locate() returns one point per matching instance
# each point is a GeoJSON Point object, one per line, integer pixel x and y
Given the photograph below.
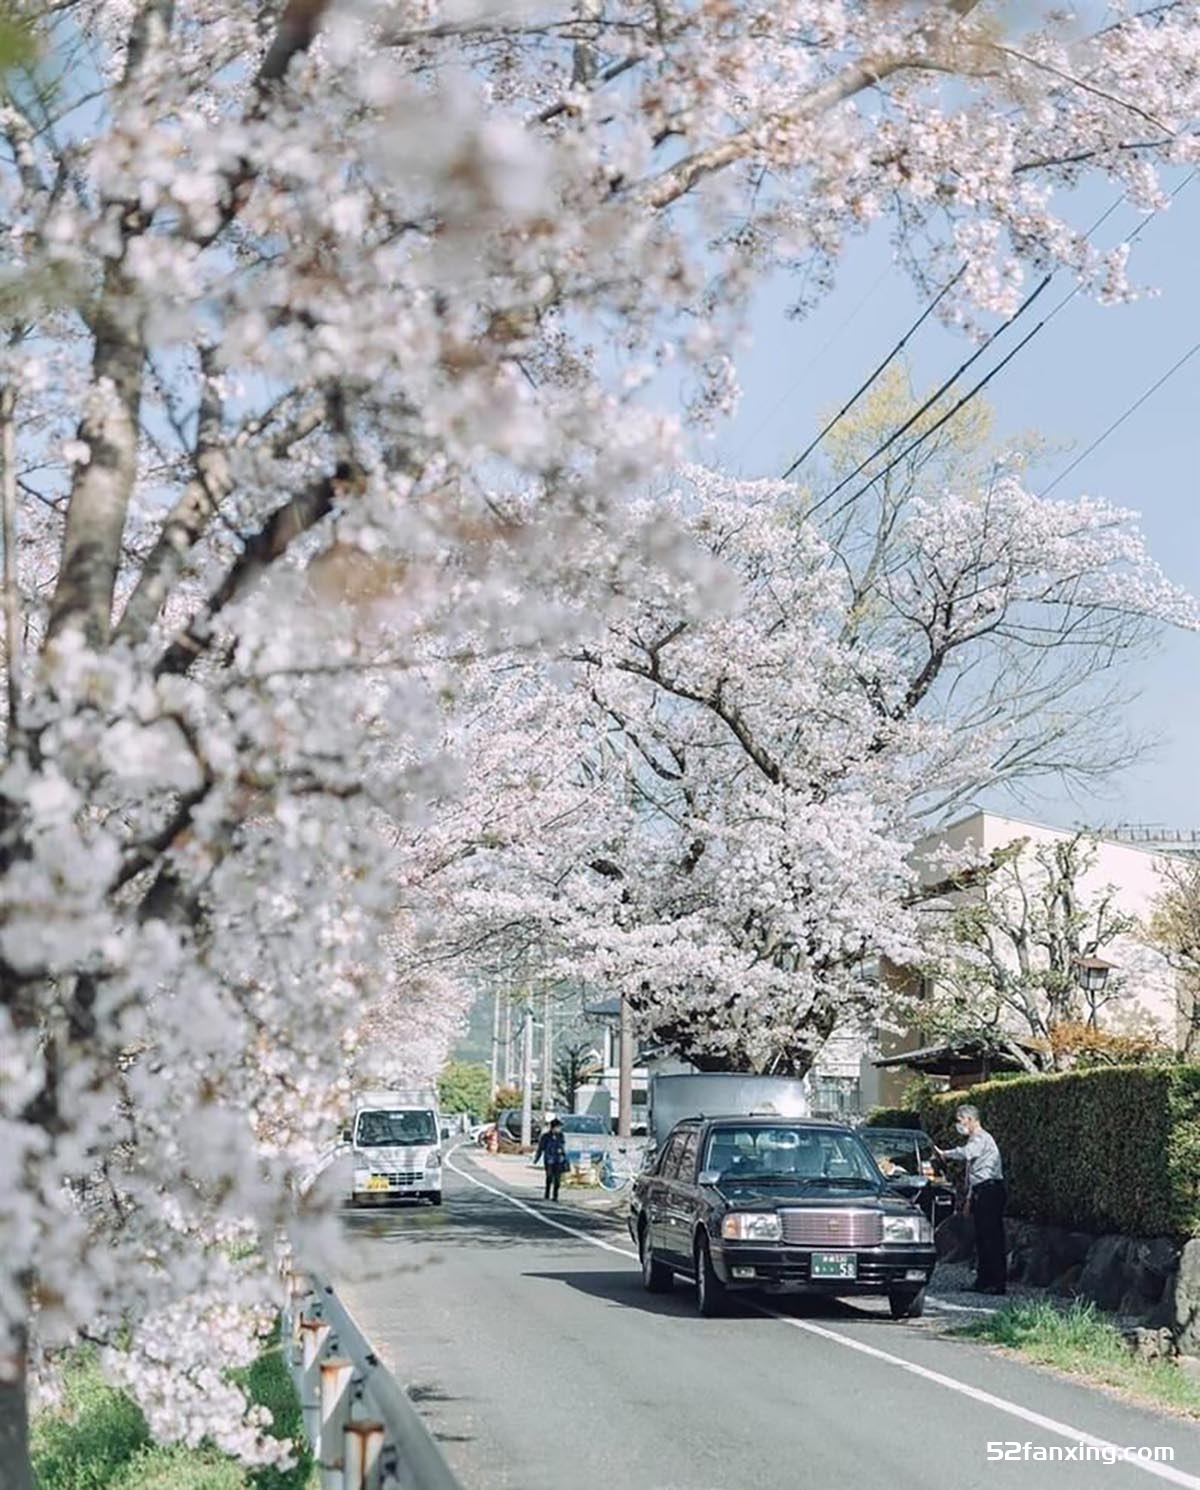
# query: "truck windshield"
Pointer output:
{"type": "Point", "coordinates": [377, 1128]}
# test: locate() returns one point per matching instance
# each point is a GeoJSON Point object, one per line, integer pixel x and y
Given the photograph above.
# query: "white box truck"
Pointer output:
{"type": "Point", "coordinates": [395, 1146]}
{"type": "Point", "coordinates": [719, 1094]}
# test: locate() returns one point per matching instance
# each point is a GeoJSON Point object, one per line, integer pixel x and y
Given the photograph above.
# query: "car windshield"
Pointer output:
{"type": "Point", "coordinates": [789, 1154]}
{"type": "Point", "coordinates": [378, 1128]}
{"type": "Point", "coordinates": [581, 1123]}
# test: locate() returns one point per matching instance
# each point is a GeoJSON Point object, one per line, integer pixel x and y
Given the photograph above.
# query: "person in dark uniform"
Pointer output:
{"type": "Point", "coordinates": [986, 1197]}
{"type": "Point", "coordinates": [552, 1152]}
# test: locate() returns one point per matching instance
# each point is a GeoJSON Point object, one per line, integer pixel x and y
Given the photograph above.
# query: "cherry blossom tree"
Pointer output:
{"type": "Point", "coordinates": [330, 341]}
{"type": "Point", "coordinates": [768, 768]}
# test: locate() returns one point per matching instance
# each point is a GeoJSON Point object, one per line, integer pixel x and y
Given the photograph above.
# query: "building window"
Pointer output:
{"type": "Point", "coordinates": [835, 1096]}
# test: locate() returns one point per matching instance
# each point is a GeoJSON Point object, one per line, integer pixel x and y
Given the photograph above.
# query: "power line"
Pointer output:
{"type": "Point", "coordinates": [1129, 412]}
{"type": "Point", "coordinates": [946, 417]}
{"type": "Point", "coordinates": [883, 366]}
{"type": "Point", "coordinates": [1066, 300]}
{"type": "Point", "coordinates": [930, 401]}
{"type": "Point", "coordinates": [812, 362]}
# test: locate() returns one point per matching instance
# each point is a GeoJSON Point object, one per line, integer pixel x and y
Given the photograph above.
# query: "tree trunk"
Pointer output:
{"type": "Point", "coordinates": [16, 1472]}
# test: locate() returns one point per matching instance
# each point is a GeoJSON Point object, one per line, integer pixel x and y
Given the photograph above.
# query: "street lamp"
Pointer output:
{"type": "Point", "coordinates": [1091, 973]}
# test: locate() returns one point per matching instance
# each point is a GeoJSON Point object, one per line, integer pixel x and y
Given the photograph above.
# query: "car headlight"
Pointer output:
{"type": "Point", "coordinates": [910, 1229]}
{"type": "Point", "coordinates": [434, 1161]}
{"type": "Point", "coordinates": [751, 1226]}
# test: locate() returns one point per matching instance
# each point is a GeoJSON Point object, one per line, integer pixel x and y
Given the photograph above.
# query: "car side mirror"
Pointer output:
{"type": "Point", "coordinates": [709, 1177]}
{"type": "Point", "coordinates": [347, 1136]}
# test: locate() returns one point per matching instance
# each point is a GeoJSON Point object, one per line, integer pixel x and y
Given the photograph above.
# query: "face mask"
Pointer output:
{"type": "Point", "coordinates": [962, 1128]}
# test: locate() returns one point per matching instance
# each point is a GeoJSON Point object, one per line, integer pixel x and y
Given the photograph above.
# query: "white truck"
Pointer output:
{"type": "Point", "coordinates": [395, 1146]}
{"type": "Point", "coordinates": [674, 1097]}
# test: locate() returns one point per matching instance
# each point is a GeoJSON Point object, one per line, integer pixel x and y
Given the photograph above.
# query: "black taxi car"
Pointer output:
{"type": "Point", "coordinates": [776, 1204]}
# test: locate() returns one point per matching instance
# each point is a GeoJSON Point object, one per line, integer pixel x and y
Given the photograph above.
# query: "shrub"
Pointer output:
{"type": "Point", "coordinates": [1078, 1046]}
{"type": "Point", "coordinates": [506, 1096]}
{"type": "Point", "coordinates": [1110, 1150]}
{"type": "Point", "coordinates": [892, 1117]}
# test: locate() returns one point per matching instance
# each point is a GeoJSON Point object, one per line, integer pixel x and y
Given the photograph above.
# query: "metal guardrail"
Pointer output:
{"type": "Point", "coordinates": [364, 1431]}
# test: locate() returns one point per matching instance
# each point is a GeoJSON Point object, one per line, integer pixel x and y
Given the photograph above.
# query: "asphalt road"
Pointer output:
{"type": "Point", "coordinates": [539, 1363]}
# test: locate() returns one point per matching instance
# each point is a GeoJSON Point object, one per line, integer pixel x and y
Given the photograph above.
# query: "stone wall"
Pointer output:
{"type": "Point", "coordinates": [1153, 1279]}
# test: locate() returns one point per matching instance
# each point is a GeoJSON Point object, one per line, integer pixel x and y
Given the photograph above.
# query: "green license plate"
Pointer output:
{"type": "Point", "coordinates": [834, 1265]}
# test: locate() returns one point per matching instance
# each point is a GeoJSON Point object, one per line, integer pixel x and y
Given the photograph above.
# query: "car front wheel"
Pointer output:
{"type": "Point", "coordinates": [711, 1294]}
{"type": "Point", "coordinates": [656, 1276]}
{"type": "Point", "coordinates": [905, 1303]}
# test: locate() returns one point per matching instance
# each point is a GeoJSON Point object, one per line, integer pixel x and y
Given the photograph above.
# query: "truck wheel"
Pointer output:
{"type": "Point", "coordinates": [711, 1294]}
{"type": "Point", "coordinates": [905, 1303]}
{"type": "Point", "coordinates": [435, 1197]}
{"type": "Point", "coordinates": [656, 1276]}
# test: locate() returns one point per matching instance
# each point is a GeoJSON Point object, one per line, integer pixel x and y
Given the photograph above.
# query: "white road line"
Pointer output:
{"type": "Point", "coordinates": [976, 1394]}
{"type": "Point", "coordinates": [522, 1205]}
{"type": "Point", "coordinates": [1013, 1409]}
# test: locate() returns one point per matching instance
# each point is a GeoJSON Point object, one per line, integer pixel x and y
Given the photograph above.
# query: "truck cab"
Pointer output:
{"type": "Point", "coordinates": [395, 1147]}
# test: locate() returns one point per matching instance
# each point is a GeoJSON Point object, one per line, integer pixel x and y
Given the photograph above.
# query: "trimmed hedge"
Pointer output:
{"type": "Point", "coordinates": [1115, 1149]}
{"type": "Point", "coordinates": [892, 1117]}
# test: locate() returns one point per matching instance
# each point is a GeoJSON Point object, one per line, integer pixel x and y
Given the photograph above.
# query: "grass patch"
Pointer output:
{"type": "Point", "coordinates": [85, 1444]}
{"type": "Point", "coordinates": [1080, 1341]}
{"type": "Point", "coordinates": [98, 1439]}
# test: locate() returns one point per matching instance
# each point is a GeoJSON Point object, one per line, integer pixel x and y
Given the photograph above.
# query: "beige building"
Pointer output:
{"type": "Point", "coordinates": [1131, 871]}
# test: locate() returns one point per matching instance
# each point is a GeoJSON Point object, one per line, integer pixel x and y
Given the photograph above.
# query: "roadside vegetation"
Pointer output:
{"type": "Point", "coordinates": [97, 1438]}
{"type": "Point", "coordinates": [1080, 1341]}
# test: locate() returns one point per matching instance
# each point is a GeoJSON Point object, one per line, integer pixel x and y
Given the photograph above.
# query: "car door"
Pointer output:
{"type": "Point", "coordinates": [655, 1193]}
{"type": "Point", "coordinates": [679, 1199]}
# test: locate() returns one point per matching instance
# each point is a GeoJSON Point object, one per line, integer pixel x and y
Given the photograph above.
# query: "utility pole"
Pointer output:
{"type": "Point", "coordinates": [508, 1048]}
{"type": "Point", "coordinates": [527, 1077]}
{"type": "Point", "coordinates": [495, 1040]}
{"type": "Point", "coordinates": [625, 1071]}
{"type": "Point", "coordinates": [547, 1055]}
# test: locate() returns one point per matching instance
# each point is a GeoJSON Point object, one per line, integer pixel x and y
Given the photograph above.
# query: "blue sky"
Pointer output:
{"type": "Point", "coordinates": [1081, 371]}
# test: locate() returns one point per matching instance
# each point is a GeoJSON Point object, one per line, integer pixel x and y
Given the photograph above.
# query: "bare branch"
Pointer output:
{"type": "Point", "coordinates": [272, 540]}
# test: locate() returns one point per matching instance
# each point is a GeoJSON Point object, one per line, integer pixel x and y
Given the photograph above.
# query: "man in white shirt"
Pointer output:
{"type": "Point", "coordinates": [986, 1196]}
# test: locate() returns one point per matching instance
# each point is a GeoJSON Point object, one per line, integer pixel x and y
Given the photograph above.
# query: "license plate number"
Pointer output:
{"type": "Point", "coordinates": [377, 1182]}
{"type": "Point", "coordinates": [834, 1265]}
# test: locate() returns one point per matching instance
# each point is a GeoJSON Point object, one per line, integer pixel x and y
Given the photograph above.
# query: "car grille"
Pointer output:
{"type": "Point", "coordinates": [832, 1228]}
{"type": "Point", "coordinates": [404, 1177]}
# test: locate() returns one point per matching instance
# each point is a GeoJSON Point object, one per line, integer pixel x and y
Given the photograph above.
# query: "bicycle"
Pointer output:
{"type": "Point", "coordinates": [616, 1176]}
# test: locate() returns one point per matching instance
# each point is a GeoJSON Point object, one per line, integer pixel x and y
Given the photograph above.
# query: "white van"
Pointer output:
{"type": "Point", "coordinates": [395, 1146]}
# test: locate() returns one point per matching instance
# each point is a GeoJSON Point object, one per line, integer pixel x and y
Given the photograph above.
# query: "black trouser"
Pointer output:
{"type": "Point", "coordinates": [553, 1180]}
{"type": "Point", "coordinates": [991, 1251]}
